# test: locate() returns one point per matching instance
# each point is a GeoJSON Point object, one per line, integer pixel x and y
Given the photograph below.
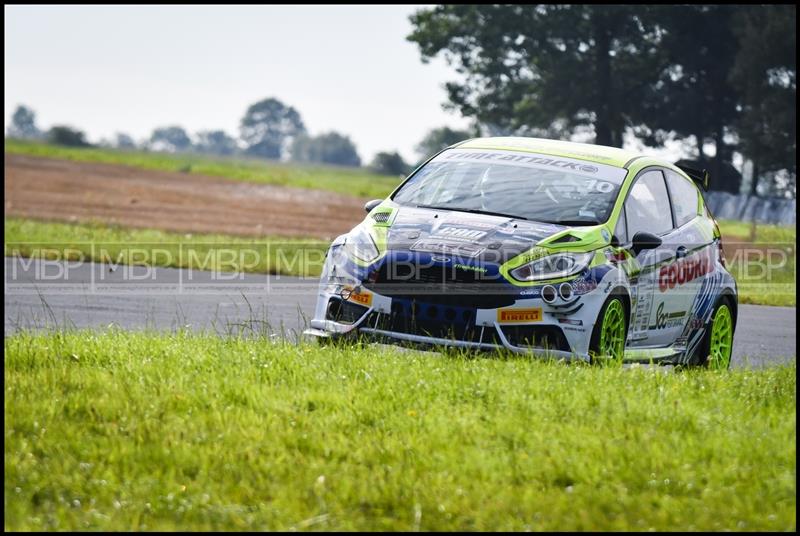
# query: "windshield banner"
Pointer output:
{"type": "Point", "coordinates": [536, 161]}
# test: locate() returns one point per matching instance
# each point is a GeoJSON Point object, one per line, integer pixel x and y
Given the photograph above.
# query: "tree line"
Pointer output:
{"type": "Point", "coordinates": [269, 129]}
{"type": "Point", "coordinates": [710, 76]}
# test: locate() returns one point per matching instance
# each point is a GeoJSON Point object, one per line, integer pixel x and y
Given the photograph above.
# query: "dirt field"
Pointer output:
{"type": "Point", "coordinates": [51, 189]}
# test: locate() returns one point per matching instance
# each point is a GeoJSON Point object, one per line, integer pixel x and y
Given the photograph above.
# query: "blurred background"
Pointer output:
{"type": "Point", "coordinates": [268, 94]}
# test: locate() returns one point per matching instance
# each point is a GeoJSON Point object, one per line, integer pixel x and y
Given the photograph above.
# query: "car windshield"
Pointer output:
{"type": "Point", "coordinates": [516, 184]}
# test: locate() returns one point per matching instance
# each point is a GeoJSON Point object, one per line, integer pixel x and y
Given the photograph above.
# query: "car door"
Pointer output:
{"type": "Point", "coordinates": [680, 279]}
{"type": "Point", "coordinates": [647, 209]}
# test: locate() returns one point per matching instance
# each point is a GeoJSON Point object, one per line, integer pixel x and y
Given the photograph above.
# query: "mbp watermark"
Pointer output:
{"type": "Point", "coordinates": [44, 264]}
{"type": "Point", "coordinates": [217, 266]}
{"type": "Point", "coordinates": [161, 267]}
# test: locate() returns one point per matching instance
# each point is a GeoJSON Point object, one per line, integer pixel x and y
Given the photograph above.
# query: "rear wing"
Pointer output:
{"type": "Point", "coordinates": [700, 176]}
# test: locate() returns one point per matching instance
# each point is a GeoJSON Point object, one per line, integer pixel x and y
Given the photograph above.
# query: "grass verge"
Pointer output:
{"type": "Point", "coordinates": [136, 431]}
{"type": "Point", "coordinates": [762, 259]}
{"type": "Point", "coordinates": [123, 245]}
{"type": "Point", "coordinates": [345, 180]}
{"type": "Point", "coordinates": [759, 233]}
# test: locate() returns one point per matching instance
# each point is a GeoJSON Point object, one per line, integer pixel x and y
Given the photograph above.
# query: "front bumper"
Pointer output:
{"type": "Point", "coordinates": [381, 335]}
{"type": "Point", "coordinates": [572, 319]}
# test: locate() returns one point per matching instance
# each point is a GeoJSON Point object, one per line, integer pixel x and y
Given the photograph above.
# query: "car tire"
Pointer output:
{"type": "Point", "coordinates": [607, 344]}
{"type": "Point", "coordinates": [716, 348]}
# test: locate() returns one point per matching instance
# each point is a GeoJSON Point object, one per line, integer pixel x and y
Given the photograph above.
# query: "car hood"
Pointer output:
{"type": "Point", "coordinates": [474, 237]}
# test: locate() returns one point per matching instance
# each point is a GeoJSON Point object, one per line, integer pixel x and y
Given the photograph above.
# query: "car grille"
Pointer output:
{"type": "Point", "coordinates": [458, 323]}
{"type": "Point", "coordinates": [442, 285]}
{"type": "Point", "coordinates": [431, 320]}
{"type": "Point", "coordinates": [381, 217]}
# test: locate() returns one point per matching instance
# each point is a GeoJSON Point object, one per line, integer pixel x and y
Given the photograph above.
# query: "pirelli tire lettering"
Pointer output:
{"type": "Point", "coordinates": [513, 316]}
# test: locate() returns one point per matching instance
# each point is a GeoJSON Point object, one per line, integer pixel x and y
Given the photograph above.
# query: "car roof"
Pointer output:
{"type": "Point", "coordinates": [613, 156]}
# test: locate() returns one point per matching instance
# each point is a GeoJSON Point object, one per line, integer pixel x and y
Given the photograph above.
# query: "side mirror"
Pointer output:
{"type": "Point", "coordinates": [369, 205]}
{"type": "Point", "coordinates": [642, 241]}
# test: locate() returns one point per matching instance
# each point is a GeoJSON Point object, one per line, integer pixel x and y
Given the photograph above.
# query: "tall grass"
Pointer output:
{"type": "Point", "coordinates": [135, 431]}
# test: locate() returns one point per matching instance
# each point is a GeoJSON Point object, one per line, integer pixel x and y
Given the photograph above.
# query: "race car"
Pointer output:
{"type": "Point", "coordinates": [549, 248]}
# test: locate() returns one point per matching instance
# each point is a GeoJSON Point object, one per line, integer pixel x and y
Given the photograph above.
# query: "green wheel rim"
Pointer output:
{"type": "Point", "coordinates": [612, 331]}
{"type": "Point", "coordinates": [721, 338]}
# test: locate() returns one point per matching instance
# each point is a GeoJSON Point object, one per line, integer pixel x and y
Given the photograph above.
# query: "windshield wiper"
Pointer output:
{"type": "Point", "coordinates": [474, 211]}
{"type": "Point", "coordinates": [576, 222]}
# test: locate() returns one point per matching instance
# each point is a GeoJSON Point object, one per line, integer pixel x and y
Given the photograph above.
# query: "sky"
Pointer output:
{"type": "Point", "coordinates": [107, 69]}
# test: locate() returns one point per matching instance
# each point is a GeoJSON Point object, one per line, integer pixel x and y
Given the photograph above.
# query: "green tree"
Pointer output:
{"type": "Point", "coordinates": [65, 135]}
{"type": "Point", "coordinates": [387, 163]}
{"type": "Point", "coordinates": [692, 95]}
{"type": "Point", "coordinates": [438, 138]}
{"type": "Point", "coordinates": [123, 141]}
{"type": "Point", "coordinates": [529, 68]}
{"type": "Point", "coordinates": [765, 72]}
{"type": "Point", "coordinates": [269, 126]}
{"type": "Point", "coordinates": [328, 148]}
{"type": "Point", "coordinates": [215, 142]}
{"type": "Point", "coordinates": [171, 139]}
{"type": "Point", "coordinates": [23, 124]}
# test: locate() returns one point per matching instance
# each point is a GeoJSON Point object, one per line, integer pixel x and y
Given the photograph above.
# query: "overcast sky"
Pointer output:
{"type": "Point", "coordinates": [107, 69]}
{"type": "Point", "coordinates": [124, 68]}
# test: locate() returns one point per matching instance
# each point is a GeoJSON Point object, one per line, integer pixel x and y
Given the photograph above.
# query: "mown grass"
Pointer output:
{"type": "Point", "coordinates": [762, 258]}
{"type": "Point", "coordinates": [346, 180]}
{"type": "Point", "coordinates": [135, 431]}
{"type": "Point", "coordinates": [759, 233]}
{"type": "Point", "coordinates": [123, 245]}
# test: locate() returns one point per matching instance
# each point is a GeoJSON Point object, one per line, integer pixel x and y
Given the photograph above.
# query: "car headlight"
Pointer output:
{"type": "Point", "coordinates": [360, 245]}
{"type": "Point", "coordinates": [552, 266]}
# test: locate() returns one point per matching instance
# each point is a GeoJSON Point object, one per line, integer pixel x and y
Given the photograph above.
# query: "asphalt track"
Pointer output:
{"type": "Point", "coordinates": [46, 294]}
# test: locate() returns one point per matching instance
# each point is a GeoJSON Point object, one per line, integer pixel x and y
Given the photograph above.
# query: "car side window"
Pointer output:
{"type": "Point", "coordinates": [647, 208]}
{"type": "Point", "coordinates": [683, 194]}
{"type": "Point", "coordinates": [621, 230]}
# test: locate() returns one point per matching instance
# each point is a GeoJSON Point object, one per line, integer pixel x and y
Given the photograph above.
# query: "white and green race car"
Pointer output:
{"type": "Point", "coordinates": [545, 247]}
